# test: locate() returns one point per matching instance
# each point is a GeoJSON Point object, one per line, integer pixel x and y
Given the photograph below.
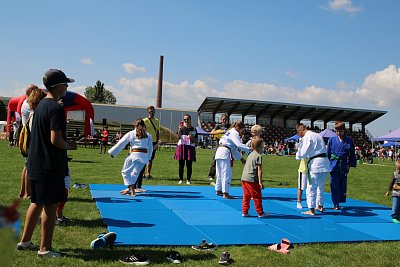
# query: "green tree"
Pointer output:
{"type": "Point", "coordinates": [99, 94]}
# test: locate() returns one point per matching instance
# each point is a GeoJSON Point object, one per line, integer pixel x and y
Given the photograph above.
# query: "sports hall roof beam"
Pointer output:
{"type": "Point", "coordinates": [251, 106]}
{"type": "Point", "coordinates": [233, 108]}
{"type": "Point", "coordinates": [264, 110]}
{"type": "Point", "coordinates": [334, 115]}
{"type": "Point", "coordinates": [273, 115]}
{"type": "Point", "coordinates": [293, 113]}
{"type": "Point", "coordinates": [348, 116]}
{"type": "Point", "coordinates": [218, 106]}
{"type": "Point", "coordinates": [307, 112]}
{"type": "Point", "coordinates": [319, 114]}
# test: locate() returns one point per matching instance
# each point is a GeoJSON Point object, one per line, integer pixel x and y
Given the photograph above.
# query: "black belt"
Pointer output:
{"type": "Point", "coordinates": [322, 155]}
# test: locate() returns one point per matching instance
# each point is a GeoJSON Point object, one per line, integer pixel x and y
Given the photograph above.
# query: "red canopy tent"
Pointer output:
{"type": "Point", "coordinates": [72, 101]}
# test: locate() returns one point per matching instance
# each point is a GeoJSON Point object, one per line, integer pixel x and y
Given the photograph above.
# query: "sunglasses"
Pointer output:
{"type": "Point", "coordinates": [66, 84]}
{"type": "Point", "coordinates": [186, 119]}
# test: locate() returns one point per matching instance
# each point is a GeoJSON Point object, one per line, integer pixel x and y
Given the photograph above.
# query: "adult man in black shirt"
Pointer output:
{"type": "Point", "coordinates": [47, 163]}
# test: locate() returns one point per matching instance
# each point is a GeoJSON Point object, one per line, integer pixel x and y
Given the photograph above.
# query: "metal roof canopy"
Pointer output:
{"type": "Point", "coordinates": [297, 112]}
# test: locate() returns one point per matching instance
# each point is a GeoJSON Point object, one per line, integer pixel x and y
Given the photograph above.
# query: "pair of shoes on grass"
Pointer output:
{"type": "Point", "coordinates": [282, 248]}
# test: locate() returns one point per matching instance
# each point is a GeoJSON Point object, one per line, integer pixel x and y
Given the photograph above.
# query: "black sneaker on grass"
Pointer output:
{"type": "Point", "coordinates": [225, 258]}
{"type": "Point", "coordinates": [135, 259]}
{"type": "Point", "coordinates": [204, 246]}
{"type": "Point", "coordinates": [174, 257]}
{"type": "Point", "coordinates": [62, 220]}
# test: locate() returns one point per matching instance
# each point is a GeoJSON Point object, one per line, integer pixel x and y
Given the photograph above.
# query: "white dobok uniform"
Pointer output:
{"type": "Point", "coordinates": [311, 145]}
{"type": "Point", "coordinates": [229, 146]}
{"type": "Point", "coordinates": [140, 154]}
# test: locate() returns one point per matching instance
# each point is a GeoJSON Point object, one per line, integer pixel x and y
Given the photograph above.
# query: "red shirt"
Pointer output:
{"type": "Point", "coordinates": [104, 135]}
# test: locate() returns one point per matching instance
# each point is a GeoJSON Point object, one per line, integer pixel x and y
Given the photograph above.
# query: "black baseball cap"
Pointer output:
{"type": "Point", "coordinates": [53, 77]}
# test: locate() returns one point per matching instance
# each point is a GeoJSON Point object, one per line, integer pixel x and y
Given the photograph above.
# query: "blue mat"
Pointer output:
{"type": "Point", "coordinates": [184, 215]}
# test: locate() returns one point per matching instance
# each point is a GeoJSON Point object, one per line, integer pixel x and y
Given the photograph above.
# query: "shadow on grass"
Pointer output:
{"type": "Point", "coordinates": [84, 161]}
{"type": "Point", "coordinates": [84, 223]}
{"type": "Point", "coordinates": [78, 199]}
{"type": "Point", "coordinates": [154, 256]}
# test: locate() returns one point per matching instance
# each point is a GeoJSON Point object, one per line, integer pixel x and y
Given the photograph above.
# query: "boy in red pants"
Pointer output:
{"type": "Point", "coordinates": [252, 180]}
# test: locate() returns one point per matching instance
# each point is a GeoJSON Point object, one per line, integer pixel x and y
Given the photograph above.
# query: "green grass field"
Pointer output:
{"type": "Point", "coordinates": [366, 182]}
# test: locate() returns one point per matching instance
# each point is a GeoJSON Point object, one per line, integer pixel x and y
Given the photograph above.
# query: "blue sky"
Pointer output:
{"type": "Point", "coordinates": [340, 52]}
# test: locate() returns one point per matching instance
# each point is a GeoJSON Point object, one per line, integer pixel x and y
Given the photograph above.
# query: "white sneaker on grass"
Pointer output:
{"type": "Point", "coordinates": [180, 182]}
{"type": "Point", "coordinates": [188, 182]}
{"type": "Point", "coordinates": [26, 246]}
{"type": "Point", "coordinates": [50, 254]}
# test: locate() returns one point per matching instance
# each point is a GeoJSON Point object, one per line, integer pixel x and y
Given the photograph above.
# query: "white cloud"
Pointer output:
{"type": "Point", "coordinates": [87, 61]}
{"type": "Point", "coordinates": [291, 74]}
{"type": "Point", "coordinates": [343, 5]}
{"type": "Point", "coordinates": [380, 90]}
{"type": "Point", "coordinates": [132, 68]}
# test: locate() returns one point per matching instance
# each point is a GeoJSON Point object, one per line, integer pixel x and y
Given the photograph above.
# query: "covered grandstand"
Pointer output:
{"type": "Point", "coordinates": [279, 119]}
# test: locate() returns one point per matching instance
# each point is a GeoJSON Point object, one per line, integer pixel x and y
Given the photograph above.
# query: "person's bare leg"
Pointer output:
{"type": "Point", "coordinates": [48, 223]}
{"type": "Point", "coordinates": [22, 192]}
{"type": "Point", "coordinates": [27, 185]}
{"type": "Point", "coordinates": [299, 194]}
{"type": "Point", "coordinates": [149, 166]}
{"type": "Point", "coordinates": [310, 212]}
{"type": "Point", "coordinates": [132, 189]}
{"type": "Point", "coordinates": [31, 219]}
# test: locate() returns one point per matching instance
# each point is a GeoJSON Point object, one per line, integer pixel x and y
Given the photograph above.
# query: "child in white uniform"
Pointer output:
{"type": "Point", "coordinates": [141, 149]}
{"type": "Point", "coordinates": [228, 150]}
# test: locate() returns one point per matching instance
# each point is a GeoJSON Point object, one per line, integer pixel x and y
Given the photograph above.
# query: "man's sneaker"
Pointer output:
{"type": "Point", "coordinates": [299, 206]}
{"type": "Point", "coordinates": [174, 257]}
{"type": "Point", "coordinates": [26, 246]}
{"type": "Point", "coordinates": [225, 258]}
{"type": "Point", "coordinates": [135, 259]}
{"type": "Point", "coordinates": [77, 185]}
{"type": "Point", "coordinates": [50, 254]}
{"type": "Point", "coordinates": [62, 220]}
{"type": "Point", "coordinates": [245, 215]}
{"type": "Point", "coordinates": [188, 182]}
{"type": "Point", "coordinates": [147, 177]}
{"type": "Point", "coordinates": [210, 178]}
{"type": "Point", "coordinates": [180, 182]}
{"type": "Point", "coordinates": [204, 246]}
{"type": "Point", "coordinates": [263, 215]}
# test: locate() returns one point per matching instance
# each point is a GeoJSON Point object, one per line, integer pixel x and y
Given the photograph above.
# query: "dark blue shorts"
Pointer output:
{"type": "Point", "coordinates": [46, 192]}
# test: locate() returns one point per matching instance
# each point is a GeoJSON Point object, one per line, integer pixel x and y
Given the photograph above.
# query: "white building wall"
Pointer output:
{"type": "Point", "coordinates": [169, 118]}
